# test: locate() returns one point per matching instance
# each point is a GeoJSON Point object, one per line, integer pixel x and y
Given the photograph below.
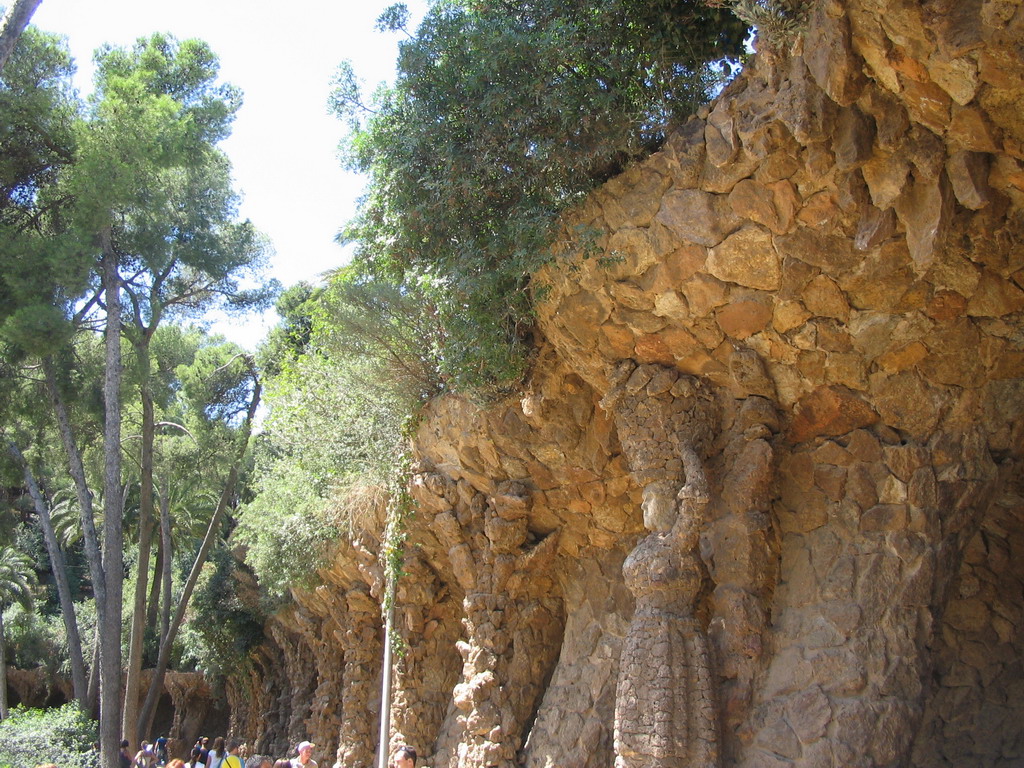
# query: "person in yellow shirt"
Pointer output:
{"type": "Point", "coordinates": [232, 760]}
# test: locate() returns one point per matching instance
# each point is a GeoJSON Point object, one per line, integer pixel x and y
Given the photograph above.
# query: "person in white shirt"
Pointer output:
{"type": "Point", "coordinates": [304, 759]}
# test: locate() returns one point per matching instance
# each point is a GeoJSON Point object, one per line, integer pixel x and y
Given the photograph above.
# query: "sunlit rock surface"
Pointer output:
{"type": "Point", "coordinates": [835, 247]}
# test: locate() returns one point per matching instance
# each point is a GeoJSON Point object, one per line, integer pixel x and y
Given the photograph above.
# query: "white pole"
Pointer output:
{"type": "Point", "coordinates": [385, 685]}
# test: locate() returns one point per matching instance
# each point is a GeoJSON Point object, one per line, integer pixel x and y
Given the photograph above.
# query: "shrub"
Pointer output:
{"type": "Point", "coordinates": [502, 114]}
{"type": "Point", "coordinates": [64, 736]}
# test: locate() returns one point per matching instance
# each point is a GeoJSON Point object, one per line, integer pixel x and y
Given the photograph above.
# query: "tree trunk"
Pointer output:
{"type": "Point", "coordinates": [77, 471]}
{"type": "Point", "coordinates": [132, 685]}
{"type": "Point", "coordinates": [85, 508]}
{"type": "Point", "coordinates": [14, 23]}
{"type": "Point", "coordinates": [113, 509]}
{"type": "Point", "coordinates": [153, 603]}
{"type": "Point", "coordinates": [146, 716]}
{"type": "Point", "coordinates": [149, 706]}
{"type": "Point", "coordinates": [60, 576]}
{"type": "Point", "coordinates": [167, 547]}
{"type": "Point", "coordinates": [94, 675]}
{"type": "Point", "coordinates": [3, 668]}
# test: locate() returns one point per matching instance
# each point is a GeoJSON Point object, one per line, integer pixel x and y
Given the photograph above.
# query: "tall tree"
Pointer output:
{"type": "Point", "coordinates": [128, 221]}
{"type": "Point", "coordinates": [230, 391]}
{"type": "Point", "coordinates": [153, 213]}
{"type": "Point", "coordinates": [60, 575]}
{"type": "Point", "coordinates": [191, 261]}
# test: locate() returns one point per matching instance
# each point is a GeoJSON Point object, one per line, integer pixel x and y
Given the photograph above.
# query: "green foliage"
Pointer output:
{"type": "Point", "coordinates": [36, 640]}
{"type": "Point", "coordinates": [327, 440]}
{"type": "Point", "coordinates": [502, 115]}
{"type": "Point", "coordinates": [184, 71]}
{"type": "Point", "coordinates": [290, 338]}
{"type": "Point", "coordinates": [38, 108]}
{"type": "Point", "coordinates": [16, 578]}
{"type": "Point", "coordinates": [338, 415]}
{"type": "Point", "coordinates": [37, 105]}
{"type": "Point", "coordinates": [165, 194]}
{"type": "Point", "coordinates": [223, 629]}
{"type": "Point", "coordinates": [63, 736]}
{"type": "Point", "coordinates": [132, 175]}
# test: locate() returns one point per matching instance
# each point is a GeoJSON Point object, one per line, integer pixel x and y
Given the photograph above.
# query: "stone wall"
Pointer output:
{"type": "Point", "coordinates": [835, 250]}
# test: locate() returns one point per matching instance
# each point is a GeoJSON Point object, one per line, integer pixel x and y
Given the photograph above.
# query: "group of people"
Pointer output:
{"type": "Point", "coordinates": [230, 753]}
{"type": "Point", "coordinates": [150, 754]}
{"type": "Point", "coordinates": [223, 754]}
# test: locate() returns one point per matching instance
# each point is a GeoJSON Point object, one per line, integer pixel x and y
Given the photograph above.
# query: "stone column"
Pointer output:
{"type": "Point", "coordinates": [429, 667]}
{"type": "Point", "coordinates": [300, 673]}
{"type": "Point", "coordinates": [360, 697]}
{"type": "Point", "coordinates": [320, 631]}
{"type": "Point", "coordinates": [512, 620]}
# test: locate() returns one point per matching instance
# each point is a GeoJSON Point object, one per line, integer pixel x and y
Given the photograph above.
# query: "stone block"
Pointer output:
{"type": "Point", "coordinates": [874, 227]}
{"type": "Point", "coordinates": [971, 129]}
{"type": "Point", "coordinates": [748, 258]}
{"type": "Point", "coordinates": [820, 211]}
{"type": "Point", "coordinates": [884, 517]}
{"type": "Point", "coordinates": [684, 154]}
{"type": "Point", "coordinates": [833, 254]}
{"type": "Point", "coordinates": [720, 137]}
{"type": "Point", "coordinates": [697, 217]}
{"type": "Point", "coordinates": [674, 269]}
{"type": "Point", "coordinates": [958, 77]}
{"type": "Point", "coordinates": [829, 411]}
{"type": "Point", "coordinates": [839, 671]}
{"type": "Point", "coordinates": [905, 401]}
{"type": "Point", "coordinates": [995, 297]}
{"type": "Point", "coordinates": [788, 315]}
{"type": "Point", "coordinates": [830, 57]}
{"type": "Point", "coordinates": [635, 250]}
{"type": "Point", "coordinates": [926, 210]}
{"type": "Point", "coordinates": [633, 198]}
{"type": "Point", "coordinates": [968, 173]}
{"type": "Point", "coordinates": [854, 138]}
{"type": "Point", "coordinates": [742, 318]}
{"type": "Point", "coordinates": [809, 714]}
{"type": "Point", "coordinates": [822, 297]}
{"type": "Point", "coordinates": [927, 103]}
{"type": "Point", "coordinates": [886, 176]}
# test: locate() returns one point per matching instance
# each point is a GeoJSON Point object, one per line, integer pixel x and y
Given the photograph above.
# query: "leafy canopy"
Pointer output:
{"type": "Point", "coordinates": [353, 360]}
{"type": "Point", "coordinates": [502, 114]}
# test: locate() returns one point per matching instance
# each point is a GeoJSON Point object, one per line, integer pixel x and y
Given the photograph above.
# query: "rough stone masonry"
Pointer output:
{"type": "Point", "coordinates": [834, 250]}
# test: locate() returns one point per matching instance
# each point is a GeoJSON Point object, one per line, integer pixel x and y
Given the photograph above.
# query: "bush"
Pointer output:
{"type": "Point", "coordinates": [339, 409]}
{"type": "Point", "coordinates": [222, 629]}
{"type": "Point", "coordinates": [503, 114]}
{"type": "Point", "coordinates": [326, 436]}
{"type": "Point", "coordinates": [64, 736]}
{"type": "Point", "coordinates": [33, 639]}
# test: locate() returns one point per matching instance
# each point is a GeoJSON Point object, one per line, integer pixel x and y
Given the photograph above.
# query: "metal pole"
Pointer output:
{"type": "Point", "coordinates": [385, 686]}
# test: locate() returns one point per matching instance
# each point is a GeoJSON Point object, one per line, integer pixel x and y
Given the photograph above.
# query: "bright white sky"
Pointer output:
{"type": "Point", "coordinates": [284, 145]}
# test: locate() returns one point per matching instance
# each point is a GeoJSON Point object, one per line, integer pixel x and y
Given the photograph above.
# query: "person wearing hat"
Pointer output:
{"type": "Point", "coordinates": [305, 749]}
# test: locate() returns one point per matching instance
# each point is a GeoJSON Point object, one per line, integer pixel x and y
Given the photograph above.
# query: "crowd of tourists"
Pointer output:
{"type": "Point", "coordinates": [231, 753]}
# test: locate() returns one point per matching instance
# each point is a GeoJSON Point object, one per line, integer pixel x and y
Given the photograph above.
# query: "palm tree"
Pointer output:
{"type": "Point", "coordinates": [15, 574]}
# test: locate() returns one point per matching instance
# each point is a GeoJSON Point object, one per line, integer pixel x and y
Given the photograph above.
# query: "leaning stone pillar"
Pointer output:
{"type": "Point", "coordinates": [512, 619]}
{"type": "Point", "coordinates": [360, 697]}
